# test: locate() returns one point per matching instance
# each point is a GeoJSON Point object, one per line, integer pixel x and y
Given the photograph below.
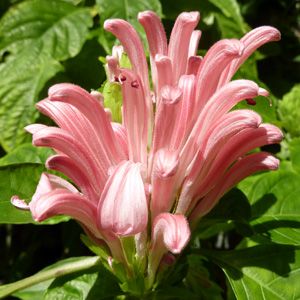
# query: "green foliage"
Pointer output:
{"type": "Point", "coordinates": [126, 10]}
{"type": "Point", "coordinates": [26, 153]}
{"type": "Point", "coordinates": [288, 110]}
{"type": "Point", "coordinates": [43, 42]}
{"type": "Point", "coordinates": [267, 271]}
{"type": "Point", "coordinates": [35, 35]}
{"type": "Point", "coordinates": [20, 180]}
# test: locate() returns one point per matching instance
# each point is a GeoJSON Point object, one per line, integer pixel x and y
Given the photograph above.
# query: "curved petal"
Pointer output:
{"type": "Point", "coordinates": [66, 165]}
{"type": "Point", "coordinates": [62, 202]}
{"type": "Point", "coordinates": [169, 232]}
{"type": "Point", "coordinates": [157, 40]}
{"type": "Point", "coordinates": [59, 139]}
{"type": "Point", "coordinates": [225, 128]}
{"type": "Point", "coordinates": [179, 43]}
{"type": "Point", "coordinates": [135, 116]}
{"type": "Point", "coordinates": [123, 205]}
{"type": "Point", "coordinates": [134, 48]}
{"type": "Point", "coordinates": [238, 146]}
{"type": "Point", "coordinates": [243, 168]}
{"type": "Point", "coordinates": [165, 166]}
{"type": "Point", "coordinates": [95, 113]}
{"type": "Point", "coordinates": [212, 66]}
{"type": "Point", "coordinates": [252, 40]}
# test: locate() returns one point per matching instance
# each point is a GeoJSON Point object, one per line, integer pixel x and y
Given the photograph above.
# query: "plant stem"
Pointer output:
{"type": "Point", "coordinates": [49, 274]}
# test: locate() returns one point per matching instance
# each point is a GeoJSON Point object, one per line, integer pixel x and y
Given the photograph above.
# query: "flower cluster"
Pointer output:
{"type": "Point", "coordinates": [154, 176]}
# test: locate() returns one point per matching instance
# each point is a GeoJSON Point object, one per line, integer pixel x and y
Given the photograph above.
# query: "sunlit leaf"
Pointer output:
{"type": "Point", "coordinates": [20, 180]}
{"type": "Point", "coordinates": [35, 35]}
{"type": "Point", "coordinates": [288, 110]}
{"type": "Point", "coordinates": [126, 10]}
{"type": "Point", "coordinates": [268, 271]}
{"type": "Point", "coordinates": [26, 153]}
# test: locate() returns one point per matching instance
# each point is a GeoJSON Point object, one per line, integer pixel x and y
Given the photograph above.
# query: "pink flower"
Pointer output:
{"type": "Point", "coordinates": [175, 164]}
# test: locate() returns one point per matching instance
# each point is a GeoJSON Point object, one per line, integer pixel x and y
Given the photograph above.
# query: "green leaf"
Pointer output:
{"type": "Point", "coordinates": [231, 10]}
{"type": "Point", "coordinates": [20, 180]}
{"type": "Point", "coordinates": [200, 281]}
{"type": "Point", "coordinates": [288, 111]}
{"type": "Point", "coordinates": [26, 153]}
{"type": "Point", "coordinates": [233, 206]}
{"type": "Point", "coordinates": [113, 99]}
{"type": "Point", "coordinates": [45, 277]}
{"type": "Point", "coordinates": [126, 10]}
{"type": "Point", "coordinates": [294, 146]}
{"type": "Point", "coordinates": [268, 271]}
{"type": "Point", "coordinates": [54, 27]}
{"type": "Point", "coordinates": [94, 283]}
{"type": "Point", "coordinates": [94, 248]}
{"type": "Point", "coordinates": [35, 35]}
{"type": "Point", "coordinates": [275, 198]}
{"type": "Point", "coordinates": [22, 80]}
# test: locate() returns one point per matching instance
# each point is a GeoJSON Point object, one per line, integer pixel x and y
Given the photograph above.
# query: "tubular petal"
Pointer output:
{"type": "Point", "coordinates": [135, 116]}
{"type": "Point", "coordinates": [134, 48]}
{"type": "Point", "coordinates": [169, 232]}
{"type": "Point", "coordinates": [212, 66]}
{"type": "Point", "coordinates": [59, 139]}
{"type": "Point", "coordinates": [252, 40]}
{"type": "Point", "coordinates": [18, 203]}
{"type": "Point", "coordinates": [165, 166]}
{"type": "Point", "coordinates": [222, 131]}
{"type": "Point", "coordinates": [118, 211]}
{"type": "Point", "coordinates": [219, 104]}
{"type": "Point", "coordinates": [240, 144]}
{"type": "Point", "coordinates": [65, 165]}
{"type": "Point", "coordinates": [157, 40]}
{"type": "Point", "coordinates": [62, 202]}
{"type": "Point", "coordinates": [83, 101]}
{"type": "Point", "coordinates": [243, 168]}
{"type": "Point", "coordinates": [180, 41]}
{"type": "Point", "coordinates": [70, 119]}
{"type": "Point", "coordinates": [194, 42]}
{"type": "Point", "coordinates": [182, 125]}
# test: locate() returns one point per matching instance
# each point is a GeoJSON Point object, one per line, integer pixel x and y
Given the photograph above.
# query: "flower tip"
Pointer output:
{"type": "Point", "coordinates": [193, 16]}
{"type": "Point", "coordinates": [18, 203]}
{"type": "Point", "coordinates": [109, 24]}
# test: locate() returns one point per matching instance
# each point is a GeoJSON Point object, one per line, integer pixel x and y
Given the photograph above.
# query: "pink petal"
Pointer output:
{"type": "Point", "coordinates": [77, 125]}
{"type": "Point", "coordinates": [18, 203]}
{"type": "Point", "coordinates": [164, 74]}
{"type": "Point", "coordinates": [180, 41]}
{"type": "Point", "coordinates": [165, 119]}
{"type": "Point", "coordinates": [252, 40]}
{"type": "Point", "coordinates": [135, 116]}
{"type": "Point", "coordinates": [65, 165]}
{"type": "Point", "coordinates": [182, 124]}
{"type": "Point", "coordinates": [164, 169]}
{"type": "Point", "coordinates": [240, 144]}
{"type": "Point", "coordinates": [212, 66]}
{"type": "Point", "coordinates": [169, 232]}
{"type": "Point", "coordinates": [59, 139]}
{"type": "Point", "coordinates": [194, 42]}
{"type": "Point", "coordinates": [49, 182]}
{"type": "Point", "coordinates": [242, 169]}
{"type": "Point", "coordinates": [83, 101]}
{"type": "Point", "coordinates": [121, 135]}
{"type": "Point", "coordinates": [194, 63]}
{"type": "Point", "coordinates": [219, 104]}
{"type": "Point", "coordinates": [157, 40]}
{"type": "Point", "coordinates": [135, 50]}
{"type": "Point", "coordinates": [222, 131]}
{"type": "Point", "coordinates": [123, 206]}
{"type": "Point", "coordinates": [62, 202]}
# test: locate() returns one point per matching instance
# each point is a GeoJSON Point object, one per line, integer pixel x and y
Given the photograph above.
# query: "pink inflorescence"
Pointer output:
{"type": "Point", "coordinates": [176, 163]}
